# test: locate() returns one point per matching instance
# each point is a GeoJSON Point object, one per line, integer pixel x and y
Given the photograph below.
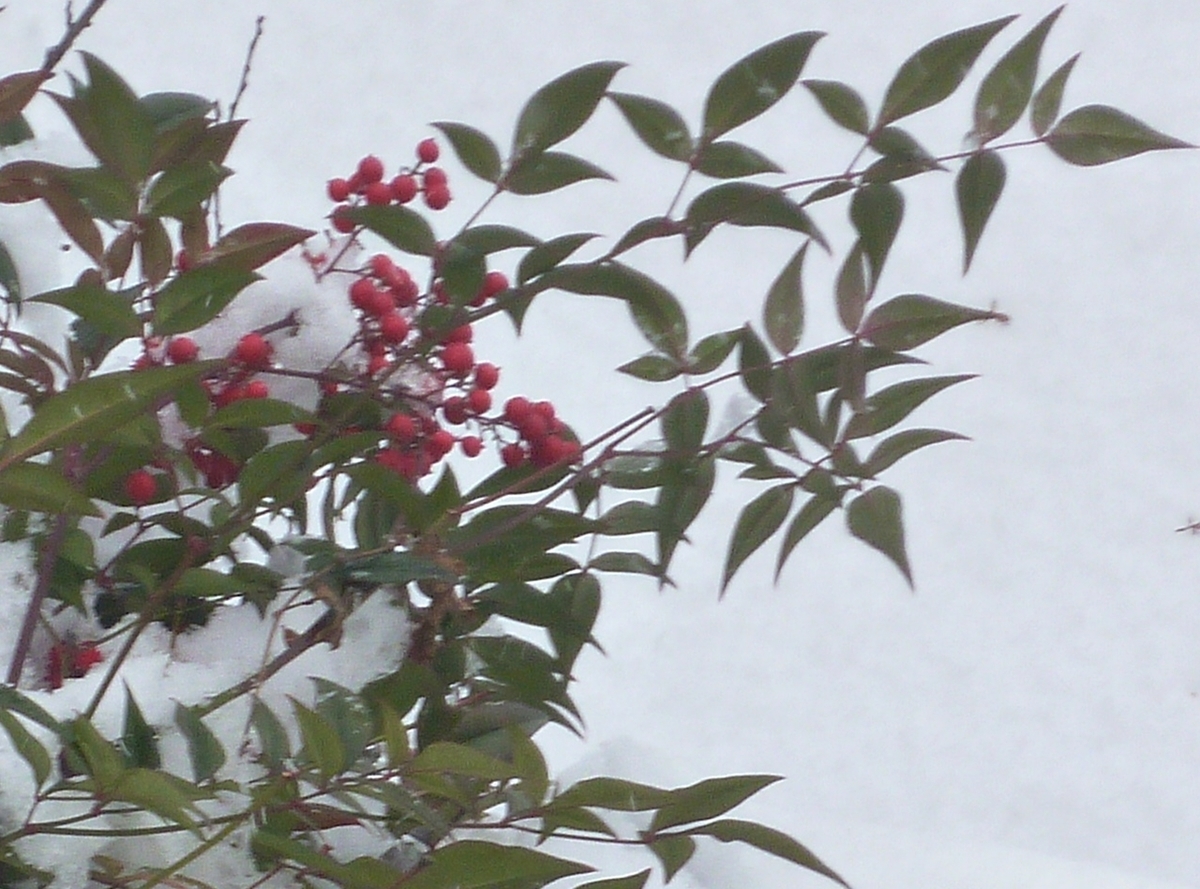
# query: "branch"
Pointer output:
{"type": "Point", "coordinates": [75, 27]}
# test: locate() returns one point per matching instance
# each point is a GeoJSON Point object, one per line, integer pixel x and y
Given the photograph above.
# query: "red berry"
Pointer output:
{"type": "Point", "coordinates": [183, 260]}
{"type": "Point", "coordinates": [512, 455]}
{"type": "Point", "coordinates": [458, 359]}
{"type": "Point", "coordinates": [454, 409]}
{"type": "Point", "coordinates": [381, 303]}
{"type": "Point", "coordinates": [460, 334]}
{"type": "Point", "coordinates": [378, 364]}
{"type": "Point", "coordinates": [182, 350]}
{"type": "Point", "coordinates": [382, 266]}
{"type": "Point", "coordinates": [487, 375]}
{"type": "Point", "coordinates": [479, 401]}
{"type": "Point", "coordinates": [471, 445]}
{"type": "Point", "coordinates": [140, 487]}
{"type": "Point", "coordinates": [370, 169]}
{"type": "Point", "coordinates": [328, 387]}
{"type": "Point", "coordinates": [362, 294]}
{"type": "Point", "coordinates": [437, 197]}
{"type": "Point", "coordinates": [401, 427]}
{"type": "Point", "coordinates": [440, 443]}
{"type": "Point", "coordinates": [86, 657]}
{"type": "Point", "coordinates": [533, 427]}
{"type": "Point", "coordinates": [256, 389]}
{"type": "Point", "coordinates": [493, 283]}
{"type": "Point", "coordinates": [517, 408]}
{"type": "Point", "coordinates": [338, 189]}
{"type": "Point", "coordinates": [404, 188]}
{"type": "Point", "coordinates": [305, 429]}
{"type": "Point", "coordinates": [379, 194]}
{"type": "Point", "coordinates": [434, 177]}
{"type": "Point", "coordinates": [341, 220]}
{"type": "Point", "coordinates": [545, 408]}
{"type": "Point", "coordinates": [253, 351]}
{"type": "Point", "coordinates": [393, 327]}
{"type": "Point", "coordinates": [427, 151]}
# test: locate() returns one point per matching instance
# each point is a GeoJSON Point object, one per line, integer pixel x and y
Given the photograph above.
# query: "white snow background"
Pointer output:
{"type": "Point", "coordinates": [1030, 716]}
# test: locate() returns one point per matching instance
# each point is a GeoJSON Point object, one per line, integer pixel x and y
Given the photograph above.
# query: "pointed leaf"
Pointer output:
{"type": "Point", "coordinates": [889, 406]}
{"type": "Point", "coordinates": [1099, 134]}
{"type": "Point", "coordinates": [110, 313]}
{"type": "Point", "coordinates": [900, 445]}
{"type": "Point", "coordinates": [1005, 91]}
{"type": "Point", "coordinates": [36, 487]}
{"type": "Point", "coordinates": [1048, 99]}
{"type": "Point", "coordinates": [934, 71]}
{"type": "Point", "coordinates": [10, 281]}
{"type": "Point", "coordinates": [673, 852]}
{"type": "Point", "coordinates": [197, 296]}
{"type": "Point", "coordinates": [652, 368]}
{"type": "Point", "coordinates": [876, 210]}
{"type": "Point", "coordinates": [851, 289]}
{"type": "Point", "coordinates": [614, 794]}
{"type": "Point", "coordinates": [903, 156]}
{"type": "Point", "coordinates": [273, 745]}
{"type": "Point", "coordinates": [625, 563]}
{"type": "Point", "coordinates": [814, 511]}
{"type": "Point", "coordinates": [754, 365]}
{"type": "Point", "coordinates": [16, 91]}
{"type": "Point", "coordinates": [443, 757]}
{"type": "Point", "coordinates": [181, 189]}
{"type": "Point", "coordinates": [121, 132]}
{"type": "Point", "coordinates": [842, 103]}
{"type": "Point", "coordinates": [138, 738]}
{"type": "Point", "coordinates": [686, 486]}
{"type": "Point", "coordinates": [978, 188]}
{"type": "Point", "coordinates": [907, 321]}
{"type": "Point", "coordinates": [657, 124]}
{"type": "Point", "coordinates": [27, 747]}
{"type": "Point", "coordinates": [684, 422]}
{"type": "Point", "coordinates": [562, 106]}
{"type": "Point", "coordinates": [875, 518]}
{"type": "Point", "coordinates": [746, 204]}
{"type": "Point", "coordinates": [769, 840]}
{"type": "Point", "coordinates": [322, 746]}
{"type": "Point", "coordinates": [550, 253]}
{"type": "Point", "coordinates": [475, 150]}
{"type": "Point", "coordinates": [783, 310]}
{"type": "Point", "coordinates": [633, 881]}
{"type": "Point", "coordinates": [549, 171]}
{"type": "Point", "coordinates": [401, 227]}
{"type": "Point", "coordinates": [255, 244]}
{"type": "Point", "coordinates": [473, 864]}
{"type": "Point", "coordinates": [708, 799]}
{"type": "Point", "coordinates": [757, 523]}
{"type": "Point", "coordinates": [756, 82]}
{"type": "Point", "coordinates": [489, 239]}
{"type": "Point", "coordinates": [14, 131]}
{"type": "Point", "coordinates": [204, 749]}
{"type": "Point", "coordinates": [729, 160]}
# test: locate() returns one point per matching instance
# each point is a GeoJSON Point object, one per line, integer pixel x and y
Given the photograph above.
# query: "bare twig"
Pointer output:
{"type": "Point", "coordinates": [75, 27]}
{"type": "Point", "coordinates": [245, 79]}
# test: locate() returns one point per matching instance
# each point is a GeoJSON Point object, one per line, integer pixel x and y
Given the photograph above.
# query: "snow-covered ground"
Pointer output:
{"type": "Point", "coordinates": [1031, 715]}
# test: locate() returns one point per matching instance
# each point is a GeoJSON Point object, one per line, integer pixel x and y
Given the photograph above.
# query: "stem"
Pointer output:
{"type": "Point", "coordinates": [45, 571]}
{"type": "Point", "coordinates": [75, 27]}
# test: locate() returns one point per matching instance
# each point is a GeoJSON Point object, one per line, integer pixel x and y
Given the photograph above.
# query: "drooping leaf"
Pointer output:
{"type": "Point", "coordinates": [16, 91]}
{"type": "Point", "coordinates": [756, 82]}
{"type": "Point", "coordinates": [475, 864]}
{"type": "Point", "coordinates": [900, 445]}
{"type": "Point", "coordinates": [154, 246]}
{"type": "Point", "coordinates": [851, 288]}
{"type": "Point", "coordinates": [783, 310]}
{"type": "Point", "coordinates": [1099, 134]}
{"type": "Point", "coordinates": [756, 524]}
{"type": "Point", "coordinates": [726, 159]}
{"type": "Point", "coordinates": [890, 405]}
{"type": "Point", "coordinates": [138, 737]}
{"type": "Point", "coordinates": [711, 352]}
{"type": "Point", "coordinates": [401, 227]}
{"type": "Point", "coordinates": [1005, 91]}
{"type": "Point", "coordinates": [196, 296]}
{"type": "Point", "coordinates": [37, 487]}
{"type": "Point", "coordinates": [774, 842]}
{"type": "Point", "coordinates": [204, 749]}
{"type": "Point", "coordinates": [814, 511]}
{"type": "Point", "coordinates": [876, 210]}
{"type": "Point", "coordinates": [746, 204]}
{"type": "Point", "coordinates": [708, 799]}
{"type": "Point", "coordinates": [458, 759]}
{"type": "Point", "coordinates": [978, 188]}
{"type": "Point", "coordinates": [684, 421]}
{"type": "Point", "coordinates": [463, 269]}
{"type": "Point", "coordinates": [1048, 99]}
{"type": "Point", "coordinates": [934, 71]}
{"type": "Point", "coordinates": [754, 365]}
{"type": "Point", "coordinates": [349, 715]}
{"type": "Point", "coordinates": [549, 171]}
{"type": "Point", "coordinates": [907, 321]}
{"type": "Point", "coordinates": [875, 518]}
{"type": "Point", "coordinates": [180, 189]}
{"type": "Point", "coordinates": [652, 368]}
{"type": "Point", "coordinates": [657, 124]}
{"type": "Point", "coordinates": [475, 150]}
{"type": "Point", "coordinates": [561, 107]}
{"type": "Point", "coordinates": [673, 852]}
{"type": "Point", "coordinates": [686, 486]}
{"type": "Point", "coordinates": [646, 230]}
{"type": "Point", "coordinates": [27, 747]}
{"type": "Point", "coordinates": [842, 103]}
{"type": "Point", "coordinates": [625, 563]}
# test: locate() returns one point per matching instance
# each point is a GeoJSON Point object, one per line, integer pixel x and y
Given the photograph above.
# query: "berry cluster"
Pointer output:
{"type": "Point", "coordinates": [367, 185]}
{"type": "Point", "coordinates": [71, 660]}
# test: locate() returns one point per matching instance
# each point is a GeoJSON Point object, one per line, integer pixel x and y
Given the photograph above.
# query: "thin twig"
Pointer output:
{"type": "Point", "coordinates": [75, 27]}
{"type": "Point", "coordinates": [245, 80]}
{"type": "Point", "coordinates": [50, 552]}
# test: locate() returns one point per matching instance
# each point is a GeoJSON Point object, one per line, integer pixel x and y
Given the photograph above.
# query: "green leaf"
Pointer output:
{"type": "Point", "coordinates": [624, 563]}
{"type": "Point", "coordinates": [903, 156]}
{"type": "Point", "coordinates": [900, 445]}
{"type": "Point", "coordinates": [119, 130]}
{"type": "Point", "coordinates": [673, 852]}
{"type": "Point", "coordinates": [745, 204]}
{"type": "Point", "coordinates": [656, 312]}
{"type": "Point", "coordinates": [138, 737]}
{"type": "Point", "coordinates": [614, 794]}
{"type": "Point", "coordinates": [401, 227]}
{"type": "Point", "coordinates": [708, 799]}
{"type": "Point", "coordinates": [458, 759]}
{"type": "Point", "coordinates": [934, 71]}
{"type": "Point", "coordinates": [322, 745]}
{"type": "Point", "coordinates": [274, 748]}
{"type": "Point", "coordinates": [729, 160]}
{"type": "Point", "coordinates": [1099, 134]}
{"type": "Point", "coordinates": [10, 280]}
{"type": "Point", "coordinates": [168, 110]}
{"type": "Point", "coordinates": [281, 472]}
{"type": "Point", "coordinates": [711, 352]}
{"type": "Point", "coordinates": [652, 368]}
{"type": "Point", "coordinates": [549, 171]}
{"type": "Point", "coordinates": [657, 124]}
{"type": "Point", "coordinates": [1005, 91]}
{"type": "Point", "coordinates": [12, 701]}
{"type": "Point", "coordinates": [488, 239]}
{"type": "Point", "coordinates": [1048, 99]}
{"type": "Point", "coordinates": [105, 194]}
{"type": "Point", "coordinates": [907, 321]}
{"type": "Point", "coordinates": [258, 412]}
{"type": "Point", "coordinates": [204, 749]}
{"type": "Point", "coordinates": [37, 487]}
{"type": "Point", "coordinates": [576, 599]}
{"type": "Point", "coordinates": [398, 568]}
{"type": "Point", "coordinates": [889, 406]}
{"type": "Point", "coordinates": [842, 103]}
{"type": "Point", "coordinates": [179, 190]}
{"type": "Point", "coordinates": [93, 408]}
{"type": "Point", "coordinates": [851, 288]}
{"type": "Point", "coordinates": [876, 210]}
{"type": "Point", "coordinates": [475, 150]}
{"type": "Point", "coordinates": [462, 269]}
{"type": "Point", "coordinates": [756, 82]}
{"type": "Point", "coordinates": [549, 254]}
{"type": "Point", "coordinates": [349, 715]}
{"type": "Point", "coordinates": [155, 246]}
{"type": "Point", "coordinates": [531, 674]}
{"type": "Point", "coordinates": [774, 842]}
{"type": "Point", "coordinates": [756, 524]}
{"type": "Point", "coordinates": [783, 310]}
{"type": "Point", "coordinates": [875, 518]}
{"type": "Point", "coordinates": [754, 365]}
{"type": "Point", "coordinates": [633, 472]}
{"type": "Point", "coordinates": [633, 881]}
{"type": "Point", "coordinates": [473, 864]}
{"type": "Point", "coordinates": [561, 107]}
{"type": "Point", "coordinates": [195, 297]}
{"type": "Point", "coordinates": [255, 244]}
{"type": "Point", "coordinates": [978, 188]}
{"type": "Point", "coordinates": [630, 517]}
{"type": "Point", "coordinates": [110, 313]}
{"type": "Point", "coordinates": [161, 793]}
{"type": "Point", "coordinates": [27, 747]}
{"type": "Point", "coordinates": [814, 511]}
{"type": "Point", "coordinates": [686, 486]}
{"type": "Point", "coordinates": [14, 131]}
{"type": "Point", "coordinates": [684, 421]}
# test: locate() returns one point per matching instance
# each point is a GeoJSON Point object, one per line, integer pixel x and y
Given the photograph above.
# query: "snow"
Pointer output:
{"type": "Point", "coordinates": [1030, 716]}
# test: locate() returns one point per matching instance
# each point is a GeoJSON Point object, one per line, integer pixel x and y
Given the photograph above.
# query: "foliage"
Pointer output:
{"type": "Point", "coordinates": [357, 484]}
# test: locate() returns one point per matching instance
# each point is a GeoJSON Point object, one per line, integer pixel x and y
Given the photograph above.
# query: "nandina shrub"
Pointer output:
{"type": "Point", "coordinates": [358, 652]}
